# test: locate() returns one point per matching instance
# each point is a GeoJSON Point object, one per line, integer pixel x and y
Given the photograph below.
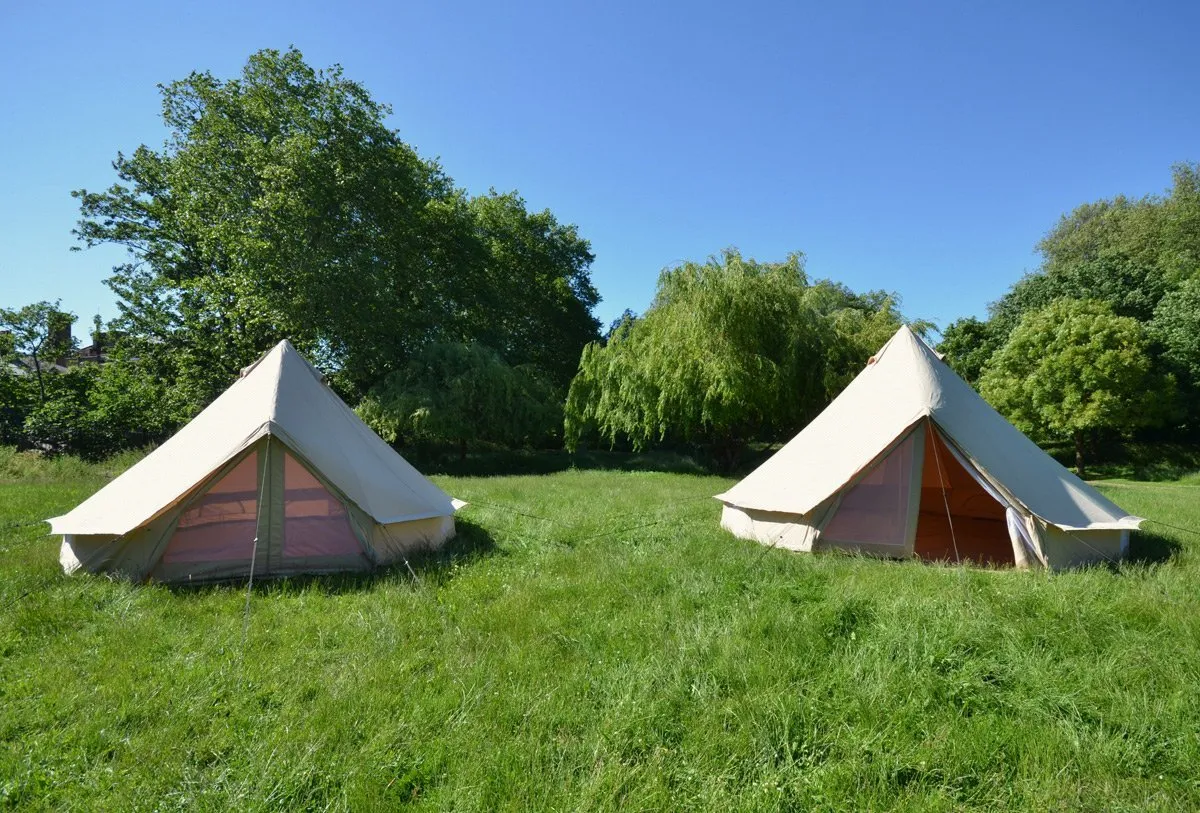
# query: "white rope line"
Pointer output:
{"type": "Point", "coordinates": [262, 486]}
{"type": "Point", "coordinates": [403, 555]}
{"type": "Point", "coordinates": [946, 500]}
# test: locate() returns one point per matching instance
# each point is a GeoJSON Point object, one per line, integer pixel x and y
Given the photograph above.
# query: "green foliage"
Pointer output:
{"type": "Point", "coordinates": [730, 350]}
{"type": "Point", "coordinates": [1126, 253]}
{"type": "Point", "coordinates": [586, 664]}
{"type": "Point", "coordinates": [39, 331]}
{"type": "Point", "coordinates": [1073, 368]}
{"type": "Point", "coordinates": [1176, 325]}
{"type": "Point", "coordinates": [854, 327]}
{"type": "Point", "coordinates": [61, 421]}
{"type": "Point", "coordinates": [534, 295]}
{"type": "Point", "coordinates": [463, 394]}
{"type": "Point", "coordinates": [18, 396]}
{"type": "Point", "coordinates": [282, 206]}
{"type": "Point", "coordinates": [967, 344]}
{"type": "Point", "coordinates": [89, 410]}
{"type": "Point", "coordinates": [1140, 259]}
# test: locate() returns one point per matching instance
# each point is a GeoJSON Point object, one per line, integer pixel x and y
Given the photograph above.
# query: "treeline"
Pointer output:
{"type": "Point", "coordinates": [282, 206]}
{"type": "Point", "coordinates": [1102, 341]}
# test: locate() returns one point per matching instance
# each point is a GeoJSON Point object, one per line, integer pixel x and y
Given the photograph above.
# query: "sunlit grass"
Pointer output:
{"type": "Point", "coordinates": [596, 641]}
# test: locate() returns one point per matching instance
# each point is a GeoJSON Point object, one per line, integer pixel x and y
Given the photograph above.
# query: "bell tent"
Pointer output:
{"type": "Point", "coordinates": [277, 476]}
{"type": "Point", "coordinates": [910, 460]}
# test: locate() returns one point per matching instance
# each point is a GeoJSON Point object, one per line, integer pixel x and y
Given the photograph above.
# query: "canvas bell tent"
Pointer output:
{"type": "Point", "coordinates": [277, 476]}
{"type": "Point", "coordinates": [909, 460]}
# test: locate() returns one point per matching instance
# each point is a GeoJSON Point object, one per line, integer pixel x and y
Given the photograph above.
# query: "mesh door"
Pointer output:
{"type": "Point", "coordinates": [875, 511]}
{"type": "Point", "coordinates": [220, 526]}
{"type": "Point", "coordinates": [315, 522]}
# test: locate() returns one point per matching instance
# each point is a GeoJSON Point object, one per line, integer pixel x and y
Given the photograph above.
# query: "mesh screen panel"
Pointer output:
{"type": "Point", "coordinates": [315, 522]}
{"type": "Point", "coordinates": [221, 524]}
{"type": "Point", "coordinates": [875, 510]}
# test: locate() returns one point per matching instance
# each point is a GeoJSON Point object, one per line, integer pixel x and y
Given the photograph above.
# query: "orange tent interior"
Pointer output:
{"type": "Point", "coordinates": [980, 533]}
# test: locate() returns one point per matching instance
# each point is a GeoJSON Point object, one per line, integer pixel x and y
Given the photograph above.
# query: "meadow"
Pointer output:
{"type": "Point", "coordinates": [594, 641]}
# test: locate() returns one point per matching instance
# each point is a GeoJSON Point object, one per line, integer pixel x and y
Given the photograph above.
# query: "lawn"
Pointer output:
{"type": "Point", "coordinates": [593, 640]}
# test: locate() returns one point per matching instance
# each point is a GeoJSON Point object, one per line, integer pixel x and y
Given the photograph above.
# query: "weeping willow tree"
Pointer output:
{"type": "Point", "coordinates": [730, 350]}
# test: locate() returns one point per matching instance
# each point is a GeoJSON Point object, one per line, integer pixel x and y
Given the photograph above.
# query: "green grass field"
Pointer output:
{"type": "Point", "coordinates": [594, 640]}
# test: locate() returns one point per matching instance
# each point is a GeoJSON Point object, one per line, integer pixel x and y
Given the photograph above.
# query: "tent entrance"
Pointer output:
{"type": "Point", "coordinates": [267, 508]}
{"type": "Point", "coordinates": [980, 530]}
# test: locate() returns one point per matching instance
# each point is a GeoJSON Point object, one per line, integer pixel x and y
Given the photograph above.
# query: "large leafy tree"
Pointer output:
{"type": "Point", "coordinates": [534, 294]}
{"type": "Point", "coordinates": [1137, 256]}
{"type": "Point", "coordinates": [730, 350]}
{"type": "Point", "coordinates": [854, 326]}
{"type": "Point", "coordinates": [282, 205]}
{"type": "Point", "coordinates": [1127, 253]}
{"type": "Point", "coordinates": [1074, 368]}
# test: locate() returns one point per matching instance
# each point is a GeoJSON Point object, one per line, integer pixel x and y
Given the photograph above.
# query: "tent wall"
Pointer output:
{"type": "Point", "coordinates": [788, 531]}
{"type": "Point", "coordinates": [301, 526]}
{"type": "Point", "coordinates": [1074, 548]}
{"type": "Point", "coordinates": [401, 540]}
{"type": "Point", "coordinates": [132, 556]}
{"type": "Point", "coordinates": [90, 552]}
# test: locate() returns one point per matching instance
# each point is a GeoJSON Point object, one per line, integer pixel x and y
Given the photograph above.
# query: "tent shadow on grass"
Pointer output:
{"type": "Point", "coordinates": [1151, 548]}
{"type": "Point", "coordinates": [470, 543]}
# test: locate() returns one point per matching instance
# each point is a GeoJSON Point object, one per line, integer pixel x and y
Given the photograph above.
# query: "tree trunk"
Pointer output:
{"type": "Point", "coordinates": [1079, 455]}
{"type": "Point", "coordinates": [37, 366]}
{"type": "Point", "coordinates": [727, 451]}
{"type": "Point", "coordinates": [462, 450]}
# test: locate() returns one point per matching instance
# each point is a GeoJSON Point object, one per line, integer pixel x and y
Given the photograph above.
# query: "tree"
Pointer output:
{"type": "Point", "coordinates": [1031, 292]}
{"type": "Point", "coordinates": [18, 397]}
{"type": "Point", "coordinates": [40, 331]}
{"type": "Point", "coordinates": [854, 327]}
{"type": "Point", "coordinates": [1073, 368]}
{"type": "Point", "coordinates": [60, 422]}
{"type": "Point", "coordinates": [535, 297]}
{"type": "Point", "coordinates": [968, 344]}
{"type": "Point", "coordinates": [283, 206]}
{"type": "Point", "coordinates": [456, 393]}
{"type": "Point", "coordinates": [1128, 253]}
{"type": "Point", "coordinates": [730, 350]}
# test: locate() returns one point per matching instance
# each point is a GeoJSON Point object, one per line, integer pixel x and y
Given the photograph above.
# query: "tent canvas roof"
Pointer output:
{"type": "Point", "coordinates": [905, 382]}
{"type": "Point", "coordinates": [283, 395]}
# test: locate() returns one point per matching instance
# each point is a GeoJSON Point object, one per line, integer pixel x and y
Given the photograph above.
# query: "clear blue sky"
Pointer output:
{"type": "Point", "coordinates": [917, 147]}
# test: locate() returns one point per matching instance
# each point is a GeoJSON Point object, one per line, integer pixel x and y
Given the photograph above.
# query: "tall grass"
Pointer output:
{"type": "Point", "coordinates": [594, 641]}
{"type": "Point", "coordinates": [34, 467]}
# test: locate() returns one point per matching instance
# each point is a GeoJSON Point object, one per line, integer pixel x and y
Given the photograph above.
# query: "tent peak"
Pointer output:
{"type": "Point", "coordinates": [908, 337]}
{"type": "Point", "coordinates": [277, 354]}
